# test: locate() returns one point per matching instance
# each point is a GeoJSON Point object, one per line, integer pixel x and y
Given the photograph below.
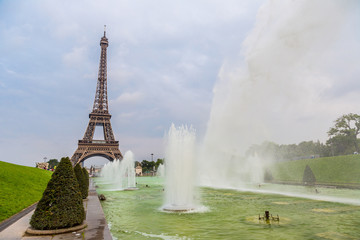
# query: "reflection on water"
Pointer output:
{"type": "Point", "coordinates": [231, 214]}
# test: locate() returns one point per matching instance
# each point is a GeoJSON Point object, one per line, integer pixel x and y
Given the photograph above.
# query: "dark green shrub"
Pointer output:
{"type": "Point", "coordinates": [86, 180]}
{"type": "Point", "coordinates": [81, 180]}
{"type": "Point", "coordinates": [268, 177]}
{"type": "Point", "coordinates": [61, 205]}
{"type": "Point", "coordinates": [308, 177]}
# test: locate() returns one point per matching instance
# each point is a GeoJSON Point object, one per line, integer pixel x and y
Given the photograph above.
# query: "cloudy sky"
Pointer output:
{"type": "Point", "coordinates": [164, 59]}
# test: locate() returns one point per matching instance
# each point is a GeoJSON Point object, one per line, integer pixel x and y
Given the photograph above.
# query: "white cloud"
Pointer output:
{"type": "Point", "coordinates": [163, 59]}
{"type": "Point", "coordinates": [142, 146]}
{"type": "Point", "coordinates": [128, 98]}
{"type": "Point", "coordinates": [76, 57]}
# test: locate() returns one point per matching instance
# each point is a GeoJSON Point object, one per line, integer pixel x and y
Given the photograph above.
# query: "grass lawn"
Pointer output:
{"type": "Point", "coordinates": [20, 187]}
{"type": "Point", "coordinates": [328, 170]}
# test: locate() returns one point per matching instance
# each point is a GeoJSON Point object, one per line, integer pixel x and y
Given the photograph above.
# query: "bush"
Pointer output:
{"type": "Point", "coordinates": [308, 177]}
{"type": "Point", "coordinates": [61, 205]}
{"type": "Point", "coordinates": [81, 180]}
{"type": "Point", "coordinates": [268, 177]}
{"type": "Point", "coordinates": [86, 180]}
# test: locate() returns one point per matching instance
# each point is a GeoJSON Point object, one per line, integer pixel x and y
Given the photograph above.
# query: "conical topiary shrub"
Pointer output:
{"type": "Point", "coordinates": [61, 205]}
{"type": "Point", "coordinates": [308, 177]}
{"type": "Point", "coordinates": [86, 179]}
{"type": "Point", "coordinates": [81, 180]}
{"type": "Point", "coordinates": [268, 177]}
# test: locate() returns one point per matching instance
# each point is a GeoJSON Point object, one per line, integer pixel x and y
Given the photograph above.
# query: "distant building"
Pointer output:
{"type": "Point", "coordinates": [94, 171]}
{"type": "Point", "coordinates": [42, 165]}
{"type": "Point", "coordinates": [138, 170]}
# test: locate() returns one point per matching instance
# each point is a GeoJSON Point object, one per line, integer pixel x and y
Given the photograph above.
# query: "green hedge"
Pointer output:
{"type": "Point", "coordinates": [61, 205]}
{"type": "Point", "coordinates": [81, 180]}
{"type": "Point", "coordinates": [86, 179]}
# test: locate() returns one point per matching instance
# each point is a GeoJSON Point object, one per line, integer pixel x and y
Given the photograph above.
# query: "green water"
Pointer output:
{"type": "Point", "coordinates": [231, 214]}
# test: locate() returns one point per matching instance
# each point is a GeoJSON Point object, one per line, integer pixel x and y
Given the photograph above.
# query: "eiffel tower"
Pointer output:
{"type": "Point", "coordinates": [88, 147]}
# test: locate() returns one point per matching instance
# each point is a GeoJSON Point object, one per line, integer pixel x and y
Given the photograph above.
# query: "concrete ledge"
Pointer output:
{"type": "Point", "coordinates": [7, 222]}
{"type": "Point", "coordinates": [33, 231]}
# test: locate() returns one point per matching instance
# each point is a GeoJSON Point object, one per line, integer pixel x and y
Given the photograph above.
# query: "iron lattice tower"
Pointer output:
{"type": "Point", "coordinates": [88, 147]}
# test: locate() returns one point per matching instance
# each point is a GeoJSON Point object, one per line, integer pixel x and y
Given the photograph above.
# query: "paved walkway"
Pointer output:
{"type": "Point", "coordinates": [97, 227]}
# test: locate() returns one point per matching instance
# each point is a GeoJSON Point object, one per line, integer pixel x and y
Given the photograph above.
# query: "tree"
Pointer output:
{"type": "Point", "coordinates": [158, 162]}
{"type": "Point", "coordinates": [308, 177]}
{"type": "Point", "coordinates": [86, 180]}
{"type": "Point", "coordinates": [61, 205]}
{"type": "Point", "coordinates": [53, 163]}
{"type": "Point", "coordinates": [272, 151]}
{"type": "Point", "coordinates": [348, 127]}
{"type": "Point", "coordinates": [340, 145]}
{"type": "Point", "coordinates": [81, 180]}
{"type": "Point", "coordinates": [147, 166]}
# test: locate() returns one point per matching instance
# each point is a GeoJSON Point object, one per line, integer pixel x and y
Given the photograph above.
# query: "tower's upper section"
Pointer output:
{"type": "Point", "coordinates": [104, 41]}
{"type": "Point", "coordinates": [101, 99]}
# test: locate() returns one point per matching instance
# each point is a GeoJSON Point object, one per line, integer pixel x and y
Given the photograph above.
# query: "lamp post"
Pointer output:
{"type": "Point", "coordinates": [152, 159]}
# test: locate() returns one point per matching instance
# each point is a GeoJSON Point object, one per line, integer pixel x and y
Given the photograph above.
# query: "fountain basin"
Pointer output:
{"type": "Point", "coordinates": [231, 214]}
{"type": "Point", "coordinates": [178, 209]}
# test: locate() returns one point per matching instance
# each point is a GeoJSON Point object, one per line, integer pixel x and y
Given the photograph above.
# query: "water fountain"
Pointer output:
{"type": "Point", "coordinates": [120, 175]}
{"type": "Point", "coordinates": [272, 91]}
{"type": "Point", "coordinates": [161, 171]}
{"type": "Point", "coordinates": [179, 167]}
{"type": "Point", "coordinates": [127, 172]}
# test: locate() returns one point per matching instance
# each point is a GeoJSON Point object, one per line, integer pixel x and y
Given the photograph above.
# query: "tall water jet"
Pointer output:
{"type": "Point", "coordinates": [179, 167]}
{"type": "Point", "coordinates": [160, 171]}
{"type": "Point", "coordinates": [120, 175]}
{"type": "Point", "coordinates": [127, 172]}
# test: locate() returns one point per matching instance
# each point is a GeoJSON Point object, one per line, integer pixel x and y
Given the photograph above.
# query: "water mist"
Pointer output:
{"type": "Point", "coordinates": [274, 93]}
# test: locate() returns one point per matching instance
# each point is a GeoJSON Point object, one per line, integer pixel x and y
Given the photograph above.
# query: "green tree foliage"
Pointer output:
{"type": "Point", "coordinates": [147, 166]}
{"type": "Point", "coordinates": [340, 145]}
{"type": "Point", "coordinates": [81, 180]}
{"type": "Point", "coordinates": [86, 180]}
{"type": "Point", "coordinates": [158, 162]}
{"type": "Point", "coordinates": [343, 135]}
{"type": "Point", "coordinates": [343, 140]}
{"type": "Point", "coordinates": [273, 151]}
{"type": "Point", "coordinates": [308, 177]}
{"type": "Point", "coordinates": [53, 163]}
{"type": "Point", "coordinates": [61, 205]}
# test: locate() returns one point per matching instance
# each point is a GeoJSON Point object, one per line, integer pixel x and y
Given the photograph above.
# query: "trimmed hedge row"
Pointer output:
{"type": "Point", "coordinates": [61, 205]}
{"type": "Point", "coordinates": [80, 176]}
{"type": "Point", "coordinates": [87, 181]}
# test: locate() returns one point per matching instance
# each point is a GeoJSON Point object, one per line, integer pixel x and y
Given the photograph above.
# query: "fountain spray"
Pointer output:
{"type": "Point", "coordinates": [179, 168]}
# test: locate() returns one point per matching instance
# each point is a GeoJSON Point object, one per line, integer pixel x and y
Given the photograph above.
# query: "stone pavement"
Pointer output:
{"type": "Point", "coordinates": [97, 228]}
